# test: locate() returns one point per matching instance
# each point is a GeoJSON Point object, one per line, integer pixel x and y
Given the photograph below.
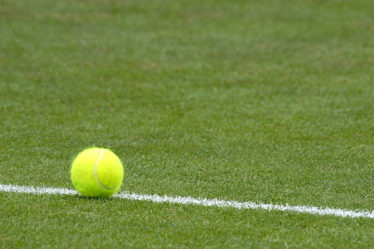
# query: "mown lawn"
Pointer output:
{"type": "Point", "coordinates": [267, 101]}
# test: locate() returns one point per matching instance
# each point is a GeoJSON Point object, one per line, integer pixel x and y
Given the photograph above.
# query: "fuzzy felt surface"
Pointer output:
{"type": "Point", "coordinates": [97, 172]}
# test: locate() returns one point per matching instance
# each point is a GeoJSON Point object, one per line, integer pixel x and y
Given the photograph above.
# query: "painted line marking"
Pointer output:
{"type": "Point", "coordinates": [199, 201]}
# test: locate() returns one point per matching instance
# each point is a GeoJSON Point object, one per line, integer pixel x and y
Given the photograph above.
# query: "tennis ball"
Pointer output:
{"type": "Point", "coordinates": [97, 172]}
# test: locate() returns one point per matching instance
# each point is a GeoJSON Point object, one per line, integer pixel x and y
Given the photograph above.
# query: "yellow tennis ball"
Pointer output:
{"type": "Point", "coordinates": [97, 172]}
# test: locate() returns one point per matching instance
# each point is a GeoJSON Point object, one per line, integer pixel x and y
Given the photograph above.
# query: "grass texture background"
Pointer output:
{"type": "Point", "coordinates": [267, 101]}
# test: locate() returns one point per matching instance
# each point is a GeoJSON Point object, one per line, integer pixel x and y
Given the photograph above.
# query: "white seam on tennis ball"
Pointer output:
{"type": "Point", "coordinates": [97, 179]}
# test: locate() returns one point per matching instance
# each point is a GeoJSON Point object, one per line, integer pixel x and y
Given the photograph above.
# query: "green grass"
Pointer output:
{"type": "Point", "coordinates": [265, 101]}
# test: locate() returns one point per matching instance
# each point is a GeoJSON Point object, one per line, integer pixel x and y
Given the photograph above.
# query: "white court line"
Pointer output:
{"type": "Point", "coordinates": [199, 201]}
